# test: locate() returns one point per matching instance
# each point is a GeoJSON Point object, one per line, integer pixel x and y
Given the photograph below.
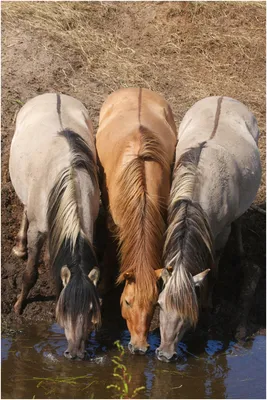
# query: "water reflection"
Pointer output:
{"type": "Point", "coordinates": [198, 372]}
{"type": "Point", "coordinates": [206, 368]}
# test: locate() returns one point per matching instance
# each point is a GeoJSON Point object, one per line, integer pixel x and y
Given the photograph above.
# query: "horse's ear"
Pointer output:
{"type": "Point", "coordinates": [94, 275]}
{"type": "Point", "coordinates": [198, 279]}
{"type": "Point", "coordinates": [158, 273]}
{"type": "Point", "coordinates": [166, 274]}
{"type": "Point", "coordinates": [65, 275]}
{"type": "Point", "coordinates": [128, 276]}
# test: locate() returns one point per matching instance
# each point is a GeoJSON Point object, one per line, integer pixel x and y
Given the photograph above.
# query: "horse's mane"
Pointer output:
{"type": "Point", "coordinates": [68, 244]}
{"type": "Point", "coordinates": [141, 222]}
{"type": "Point", "coordinates": [189, 244]}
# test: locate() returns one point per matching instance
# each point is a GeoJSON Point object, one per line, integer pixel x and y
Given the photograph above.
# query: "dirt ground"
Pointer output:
{"type": "Point", "coordinates": [185, 51]}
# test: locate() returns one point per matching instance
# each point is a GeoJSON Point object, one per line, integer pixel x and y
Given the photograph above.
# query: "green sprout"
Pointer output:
{"type": "Point", "coordinates": [122, 388]}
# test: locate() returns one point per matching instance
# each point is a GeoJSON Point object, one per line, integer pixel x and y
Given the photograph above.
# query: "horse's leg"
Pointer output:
{"type": "Point", "coordinates": [35, 241]}
{"type": "Point", "coordinates": [251, 275]}
{"type": "Point", "coordinates": [207, 302]}
{"type": "Point", "coordinates": [237, 232]}
{"type": "Point", "coordinates": [220, 243]}
{"type": "Point", "coordinates": [251, 278]}
{"type": "Point", "coordinates": [20, 249]}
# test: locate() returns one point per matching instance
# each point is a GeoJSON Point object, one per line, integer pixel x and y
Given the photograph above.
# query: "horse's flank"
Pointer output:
{"type": "Point", "coordinates": [189, 244]}
{"type": "Point", "coordinates": [141, 221]}
{"type": "Point", "coordinates": [68, 243]}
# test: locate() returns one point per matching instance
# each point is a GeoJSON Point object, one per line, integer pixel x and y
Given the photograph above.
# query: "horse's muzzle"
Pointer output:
{"type": "Point", "coordinates": [165, 357]}
{"type": "Point", "coordinates": [80, 355]}
{"type": "Point", "coordinates": [137, 350]}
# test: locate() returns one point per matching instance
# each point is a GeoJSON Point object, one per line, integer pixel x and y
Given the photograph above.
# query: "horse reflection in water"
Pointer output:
{"type": "Point", "coordinates": [216, 177]}
{"type": "Point", "coordinates": [53, 170]}
{"type": "Point", "coordinates": [195, 374]}
{"type": "Point", "coordinates": [201, 374]}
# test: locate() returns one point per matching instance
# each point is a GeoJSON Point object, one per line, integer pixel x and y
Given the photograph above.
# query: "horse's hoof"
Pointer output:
{"type": "Point", "coordinates": [18, 252]}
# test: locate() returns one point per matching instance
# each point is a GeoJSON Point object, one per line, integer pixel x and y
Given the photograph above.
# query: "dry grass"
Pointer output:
{"type": "Point", "coordinates": [185, 50]}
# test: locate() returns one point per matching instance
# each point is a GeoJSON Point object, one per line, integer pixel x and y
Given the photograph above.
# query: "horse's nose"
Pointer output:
{"type": "Point", "coordinates": [164, 356]}
{"type": "Point", "coordinates": [69, 355]}
{"type": "Point", "coordinates": [137, 350]}
{"type": "Point", "coordinates": [72, 355]}
{"type": "Point", "coordinates": [81, 354]}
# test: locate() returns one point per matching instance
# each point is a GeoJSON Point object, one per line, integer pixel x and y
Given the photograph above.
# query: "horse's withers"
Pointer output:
{"type": "Point", "coordinates": [53, 170]}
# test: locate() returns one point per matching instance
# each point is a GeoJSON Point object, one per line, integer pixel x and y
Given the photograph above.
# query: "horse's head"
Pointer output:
{"type": "Point", "coordinates": [173, 322]}
{"type": "Point", "coordinates": [137, 309]}
{"type": "Point", "coordinates": [78, 309]}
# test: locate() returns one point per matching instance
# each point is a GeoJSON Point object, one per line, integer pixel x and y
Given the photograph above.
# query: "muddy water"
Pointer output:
{"type": "Point", "coordinates": [33, 366]}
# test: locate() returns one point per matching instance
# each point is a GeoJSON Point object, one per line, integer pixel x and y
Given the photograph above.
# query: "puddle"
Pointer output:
{"type": "Point", "coordinates": [33, 366]}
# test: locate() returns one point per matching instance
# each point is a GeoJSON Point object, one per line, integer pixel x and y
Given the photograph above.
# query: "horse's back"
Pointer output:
{"type": "Point", "coordinates": [38, 154]}
{"type": "Point", "coordinates": [213, 117]}
{"type": "Point", "coordinates": [48, 114]}
{"type": "Point", "coordinates": [136, 132]}
{"type": "Point", "coordinates": [229, 169]}
{"type": "Point", "coordinates": [132, 107]}
{"type": "Point", "coordinates": [221, 122]}
{"type": "Point", "coordinates": [122, 115]}
{"type": "Point", "coordinates": [128, 100]}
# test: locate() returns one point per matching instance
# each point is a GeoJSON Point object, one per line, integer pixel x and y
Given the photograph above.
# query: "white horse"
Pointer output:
{"type": "Point", "coordinates": [216, 177]}
{"type": "Point", "coordinates": [53, 170]}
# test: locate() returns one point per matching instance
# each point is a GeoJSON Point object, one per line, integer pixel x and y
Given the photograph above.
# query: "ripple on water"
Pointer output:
{"type": "Point", "coordinates": [206, 368]}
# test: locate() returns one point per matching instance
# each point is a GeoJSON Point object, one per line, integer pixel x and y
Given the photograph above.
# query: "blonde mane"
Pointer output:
{"type": "Point", "coordinates": [142, 225]}
{"type": "Point", "coordinates": [63, 212]}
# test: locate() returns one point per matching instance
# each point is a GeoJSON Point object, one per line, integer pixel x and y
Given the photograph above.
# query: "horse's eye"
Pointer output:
{"type": "Point", "coordinates": [127, 303]}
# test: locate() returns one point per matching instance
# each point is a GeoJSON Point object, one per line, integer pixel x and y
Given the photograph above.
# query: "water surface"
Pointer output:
{"type": "Point", "coordinates": [33, 366]}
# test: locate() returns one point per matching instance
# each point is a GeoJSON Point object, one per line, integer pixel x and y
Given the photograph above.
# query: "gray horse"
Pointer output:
{"type": "Point", "coordinates": [216, 177]}
{"type": "Point", "coordinates": [53, 170]}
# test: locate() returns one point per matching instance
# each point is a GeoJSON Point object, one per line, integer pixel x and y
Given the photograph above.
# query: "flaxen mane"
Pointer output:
{"type": "Point", "coordinates": [141, 222]}
{"type": "Point", "coordinates": [68, 244]}
{"type": "Point", "coordinates": [189, 245]}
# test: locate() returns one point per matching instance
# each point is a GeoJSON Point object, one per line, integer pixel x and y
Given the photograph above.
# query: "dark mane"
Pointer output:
{"type": "Point", "coordinates": [83, 157]}
{"type": "Point", "coordinates": [80, 292]}
{"type": "Point", "coordinates": [80, 261]}
{"type": "Point", "coordinates": [68, 244]}
{"type": "Point", "coordinates": [190, 237]}
{"type": "Point", "coordinates": [189, 242]}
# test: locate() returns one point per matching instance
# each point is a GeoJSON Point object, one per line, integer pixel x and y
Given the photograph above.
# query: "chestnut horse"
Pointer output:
{"type": "Point", "coordinates": [135, 144]}
{"type": "Point", "coordinates": [53, 170]}
{"type": "Point", "coordinates": [216, 177]}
